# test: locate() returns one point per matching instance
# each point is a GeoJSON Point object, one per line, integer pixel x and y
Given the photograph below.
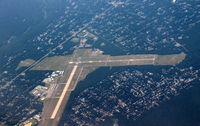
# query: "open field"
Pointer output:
{"type": "Point", "coordinates": [78, 65]}
{"type": "Point", "coordinates": [25, 63]}
{"type": "Point", "coordinates": [84, 58]}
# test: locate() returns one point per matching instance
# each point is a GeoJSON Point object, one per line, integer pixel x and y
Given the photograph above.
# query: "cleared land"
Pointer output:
{"type": "Point", "coordinates": [169, 59]}
{"type": "Point", "coordinates": [75, 40]}
{"type": "Point", "coordinates": [84, 58]}
{"type": "Point", "coordinates": [25, 63]}
{"type": "Point", "coordinates": [78, 65]}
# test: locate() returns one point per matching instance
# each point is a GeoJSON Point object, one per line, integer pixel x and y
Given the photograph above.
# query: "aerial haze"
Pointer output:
{"type": "Point", "coordinates": [100, 62]}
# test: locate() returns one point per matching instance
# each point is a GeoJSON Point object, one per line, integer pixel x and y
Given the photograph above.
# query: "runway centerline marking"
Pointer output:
{"type": "Point", "coordinates": [108, 61]}
{"type": "Point", "coordinates": [63, 92]}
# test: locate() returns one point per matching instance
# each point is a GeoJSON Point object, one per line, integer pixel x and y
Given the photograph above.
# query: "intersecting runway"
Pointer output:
{"type": "Point", "coordinates": [78, 65]}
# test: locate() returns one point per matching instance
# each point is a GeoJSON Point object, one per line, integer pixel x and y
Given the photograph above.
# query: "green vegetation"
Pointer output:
{"type": "Point", "coordinates": [33, 121]}
{"type": "Point", "coordinates": [82, 34]}
{"type": "Point", "coordinates": [30, 122]}
{"type": "Point", "coordinates": [60, 62]}
{"type": "Point", "coordinates": [25, 63]}
{"type": "Point", "coordinates": [173, 59]}
{"type": "Point", "coordinates": [75, 40]}
{"type": "Point", "coordinates": [90, 35]}
{"type": "Point", "coordinates": [86, 34]}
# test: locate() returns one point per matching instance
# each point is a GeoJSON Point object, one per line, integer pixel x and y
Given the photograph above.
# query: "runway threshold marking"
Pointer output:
{"type": "Point", "coordinates": [63, 92]}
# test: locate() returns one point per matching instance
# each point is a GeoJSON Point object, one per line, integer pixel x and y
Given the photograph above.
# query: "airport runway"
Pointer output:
{"type": "Point", "coordinates": [64, 92]}
{"type": "Point", "coordinates": [77, 66]}
{"type": "Point", "coordinates": [110, 61]}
